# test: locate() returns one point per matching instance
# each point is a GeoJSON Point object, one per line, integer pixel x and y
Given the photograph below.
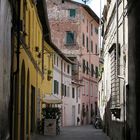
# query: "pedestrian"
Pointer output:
{"type": "Point", "coordinates": [78, 120]}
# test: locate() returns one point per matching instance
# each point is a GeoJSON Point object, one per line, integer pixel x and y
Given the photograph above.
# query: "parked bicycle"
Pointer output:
{"type": "Point", "coordinates": [98, 123]}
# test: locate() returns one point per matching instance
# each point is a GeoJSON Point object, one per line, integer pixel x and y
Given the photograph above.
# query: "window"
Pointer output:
{"type": "Point", "coordinates": [87, 25]}
{"type": "Point", "coordinates": [87, 67]}
{"type": "Point", "coordinates": [75, 69]}
{"type": "Point", "coordinates": [57, 61]}
{"type": "Point", "coordinates": [91, 29]}
{"type": "Point", "coordinates": [54, 59]}
{"type": "Point", "coordinates": [73, 92]}
{"type": "Point", "coordinates": [86, 87]}
{"type": "Point", "coordinates": [91, 89]}
{"type": "Point", "coordinates": [115, 88]}
{"type": "Point", "coordinates": [62, 89]}
{"type": "Point", "coordinates": [33, 109]}
{"type": "Point", "coordinates": [87, 43]}
{"type": "Point", "coordinates": [96, 69]}
{"type": "Point", "coordinates": [78, 108]}
{"type": "Point", "coordinates": [72, 13]}
{"type": "Point", "coordinates": [65, 93]}
{"type": "Point", "coordinates": [96, 49]}
{"type": "Point", "coordinates": [29, 25]}
{"type": "Point", "coordinates": [64, 67]}
{"type": "Point", "coordinates": [92, 112]}
{"type": "Point", "coordinates": [70, 37]}
{"type": "Point", "coordinates": [92, 70]}
{"type": "Point", "coordinates": [68, 68]}
{"type": "Point", "coordinates": [56, 87]}
{"type": "Point", "coordinates": [96, 30]}
{"type": "Point", "coordinates": [83, 18]}
{"type": "Point", "coordinates": [83, 39]}
{"type": "Point", "coordinates": [96, 107]}
{"type": "Point", "coordinates": [91, 46]}
{"type": "Point", "coordinates": [68, 91]}
{"type": "Point", "coordinates": [84, 66]}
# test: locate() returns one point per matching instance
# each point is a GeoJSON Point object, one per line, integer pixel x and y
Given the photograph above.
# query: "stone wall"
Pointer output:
{"type": "Point", "coordinates": [133, 95]}
{"type": "Point", "coordinates": [5, 67]}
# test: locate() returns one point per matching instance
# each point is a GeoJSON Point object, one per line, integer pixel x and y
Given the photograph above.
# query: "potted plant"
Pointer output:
{"type": "Point", "coordinates": [50, 75]}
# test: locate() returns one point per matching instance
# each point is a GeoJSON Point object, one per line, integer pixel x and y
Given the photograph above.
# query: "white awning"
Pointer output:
{"type": "Point", "coordinates": [51, 99]}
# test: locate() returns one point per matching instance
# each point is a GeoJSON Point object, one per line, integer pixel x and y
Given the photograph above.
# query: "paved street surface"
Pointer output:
{"type": "Point", "coordinates": [76, 133]}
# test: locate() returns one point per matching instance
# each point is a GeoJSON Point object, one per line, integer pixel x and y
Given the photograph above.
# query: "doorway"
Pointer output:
{"type": "Point", "coordinates": [22, 103]}
{"type": "Point", "coordinates": [73, 115]}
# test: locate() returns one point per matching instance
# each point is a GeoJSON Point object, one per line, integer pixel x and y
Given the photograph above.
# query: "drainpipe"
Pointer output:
{"type": "Point", "coordinates": [124, 91]}
{"type": "Point", "coordinates": [62, 109]}
{"type": "Point", "coordinates": [18, 38]}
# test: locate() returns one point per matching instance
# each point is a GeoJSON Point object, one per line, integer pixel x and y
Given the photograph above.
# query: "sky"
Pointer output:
{"type": "Point", "coordinates": [94, 5]}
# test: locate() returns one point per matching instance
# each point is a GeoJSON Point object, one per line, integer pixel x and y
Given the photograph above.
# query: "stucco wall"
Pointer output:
{"type": "Point", "coordinates": [115, 125]}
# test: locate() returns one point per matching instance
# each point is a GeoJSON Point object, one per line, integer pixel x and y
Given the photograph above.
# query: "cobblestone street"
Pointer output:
{"type": "Point", "coordinates": [76, 133]}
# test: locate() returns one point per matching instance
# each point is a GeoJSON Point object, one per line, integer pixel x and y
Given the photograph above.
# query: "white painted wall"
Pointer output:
{"type": "Point", "coordinates": [68, 117]}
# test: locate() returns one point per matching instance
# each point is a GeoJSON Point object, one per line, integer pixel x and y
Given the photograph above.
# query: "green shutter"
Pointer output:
{"type": "Point", "coordinates": [87, 44]}
{"type": "Point", "coordinates": [83, 66]}
{"type": "Point", "coordinates": [55, 87]}
{"type": "Point", "coordinates": [72, 12]}
{"type": "Point", "coordinates": [70, 38]}
{"type": "Point", "coordinates": [96, 72]}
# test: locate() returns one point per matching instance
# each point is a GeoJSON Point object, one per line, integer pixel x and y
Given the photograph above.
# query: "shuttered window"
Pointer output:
{"type": "Point", "coordinates": [83, 39]}
{"type": "Point", "coordinates": [70, 37]}
{"type": "Point", "coordinates": [91, 46]}
{"type": "Point", "coordinates": [84, 67]}
{"type": "Point", "coordinates": [87, 44]}
{"type": "Point", "coordinates": [72, 13]}
{"type": "Point", "coordinates": [56, 86]}
{"type": "Point", "coordinates": [87, 67]}
{"type": "Point", "coordinates": [96, 69]}
{"type": "Point", "coordinates": [92, 70]}
{"type": "Point", "coordinates": [73, 92]}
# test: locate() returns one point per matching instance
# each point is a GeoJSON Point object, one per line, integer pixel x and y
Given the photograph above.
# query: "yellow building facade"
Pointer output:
{"type": "Point", "coordinates": [33, 79]}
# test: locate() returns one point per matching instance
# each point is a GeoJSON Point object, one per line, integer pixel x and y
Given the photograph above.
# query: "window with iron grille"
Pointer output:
{"type": "Point", "coordinates": [115, 94]}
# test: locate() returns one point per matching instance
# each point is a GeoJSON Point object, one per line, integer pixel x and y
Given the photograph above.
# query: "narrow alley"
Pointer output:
{"type": "Point", "coordinates": [67, 64]}
{"type": "Point", "coordinates": [87, 132]}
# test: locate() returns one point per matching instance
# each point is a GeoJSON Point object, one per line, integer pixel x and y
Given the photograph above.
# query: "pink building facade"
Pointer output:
{"type": "Point", "coordinates": [74, 29]}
